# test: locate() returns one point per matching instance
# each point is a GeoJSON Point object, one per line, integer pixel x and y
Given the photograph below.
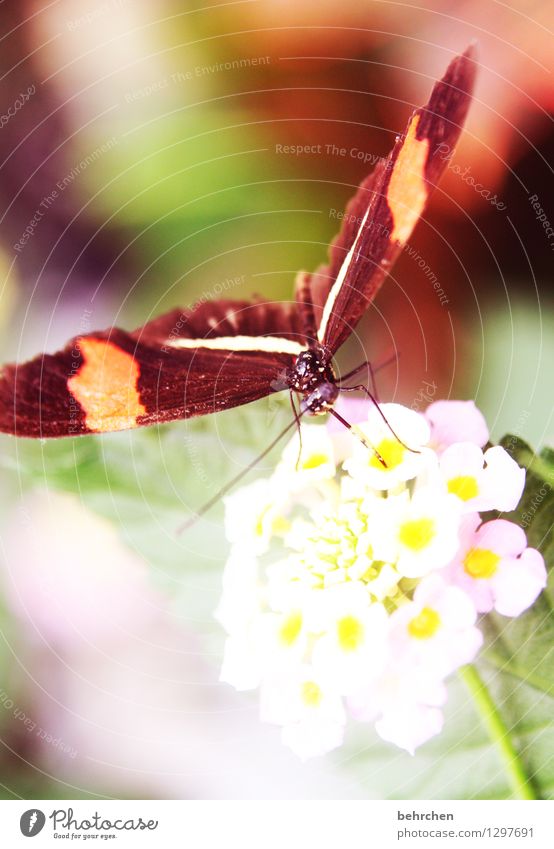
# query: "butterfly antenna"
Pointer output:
{"type": "Point", "coordinates": [297, 420]}
{"type": "Point", "coordinates": [224, 490]}
{"type": "Point", "coordinates": [360, 435]}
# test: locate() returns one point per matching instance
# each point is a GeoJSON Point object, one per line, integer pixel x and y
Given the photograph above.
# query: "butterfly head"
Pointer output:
{"type": "Point", "coordinates": [321, 399]}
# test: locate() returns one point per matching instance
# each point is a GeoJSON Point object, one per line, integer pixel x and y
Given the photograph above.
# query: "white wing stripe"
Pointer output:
{"type": "Point", "coordinates": [337, 285]}
{"type": "Point", "coordinates": [268, 344]}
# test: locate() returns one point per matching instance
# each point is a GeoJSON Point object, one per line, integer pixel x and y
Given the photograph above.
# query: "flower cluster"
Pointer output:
{"type": "Point", "coordinates": [356, 576]}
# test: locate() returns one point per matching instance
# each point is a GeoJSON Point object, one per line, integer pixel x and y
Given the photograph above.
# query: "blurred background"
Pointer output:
{"type": "Point", "coordinates": [144, 164]}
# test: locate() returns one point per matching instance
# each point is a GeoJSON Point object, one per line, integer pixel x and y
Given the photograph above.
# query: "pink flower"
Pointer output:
{"type": "Point", "coordinates": [495, 567]}
{"type": "Point", "coordinates": [456, 421]}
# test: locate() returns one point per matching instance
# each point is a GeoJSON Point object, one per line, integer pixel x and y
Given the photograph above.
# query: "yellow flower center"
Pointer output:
{"type": "Point", "coordinates": [481, 562]}
{"type": "Point", "coordinates": [350, 633]}
{"type": "Point", "coordinates": [280, 526]}
{"type": "Point", "coordinates": [464, 486]}
{"type": "Point", "coordinates": [314, 460]}
{"type": "Point", "coordinates": [311, 694]}
{"type": "Point", "coordinates": [290, 628]}
{"type": "Point", "coordinates": [425, 624]}
{"type": "Point", "coordinates": [392, 452]}
{"type": "Point", "coordinates": [417, 533]}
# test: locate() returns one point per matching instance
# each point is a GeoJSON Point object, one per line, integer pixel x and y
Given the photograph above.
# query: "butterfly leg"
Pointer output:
{"type": "Point", "coordinates": [362, 388]}
{"type": "Point", "coordinates": [360, 435]}
{"type": "Point", "coordinates": [355, 371]}
{"type": "Point", "coordinates": [373, 381]}
{"type": "Point", "coordinates": [373, 369]}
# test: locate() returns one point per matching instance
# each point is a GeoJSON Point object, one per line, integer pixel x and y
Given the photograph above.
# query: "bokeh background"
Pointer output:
{"type": "Point", "coordinates": [150, 138]}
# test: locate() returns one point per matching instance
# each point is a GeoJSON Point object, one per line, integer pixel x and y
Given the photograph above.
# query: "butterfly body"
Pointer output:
{"type": "Point", "coordinates": [313, 377]}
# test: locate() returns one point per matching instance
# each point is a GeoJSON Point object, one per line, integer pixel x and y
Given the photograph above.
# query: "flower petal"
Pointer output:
{"type": "Point", "coordinates": [504, 538]}
{"type": "Point", "coordinates": [410, 726]}
{"type": "Point", "coordinates": [456, 421]}
{"type": "Point", "coordinates": [519, 582]}
{"type": "Point", "coordinates": [311, 738]}
{"type": "Point", "coordinates": [503, 480]}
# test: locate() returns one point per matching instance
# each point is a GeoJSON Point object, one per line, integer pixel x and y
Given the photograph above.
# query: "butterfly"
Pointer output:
{"type": "Point", "coordinates": [224, 353]}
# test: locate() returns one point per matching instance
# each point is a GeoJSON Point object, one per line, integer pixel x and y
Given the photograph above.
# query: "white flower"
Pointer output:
{"type": "Point", "coordinates": [313, 736]}
{"type": "Point", "coordinates": [238, 610]}
{"type": "Point", "coordinates": [418, 534]}
{"type": "Point", "coordinates": [489, 481]}
{"type": "Point", "coordinates": [255, 514]}
{"type": "Point", "coordinates": [281, 638]}
{"type": "Point", "coordinates": [409, 725]}
{"type": "Point", "coordinates": [436, 631]}
{"type": "Point", "coordinates": [304, 701]}
{"type": "Point", "coordinates": [241, 598]}
{"type": "Point", "coordinates": [353, 642]}
{"type": "Point", "coordinates": [402, 463]}
{"type": "Point", "coordinates": [313, 464]}
{"type": "Point", "coordinates": [268, 643]}
{"type": "Point", "coordinates": [404, 702]}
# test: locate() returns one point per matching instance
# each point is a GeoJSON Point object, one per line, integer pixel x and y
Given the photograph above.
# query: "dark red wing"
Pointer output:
{"type": "Point", "coordinates": [383, 213]}
{"type": "Point", "coordinates": [183, 364]}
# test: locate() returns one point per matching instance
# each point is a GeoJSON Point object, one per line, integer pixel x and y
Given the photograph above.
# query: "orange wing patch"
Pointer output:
{"type": "Point", "coordinates": [106, 386]}
{"type": "Point", "coordinates": [407, 190]}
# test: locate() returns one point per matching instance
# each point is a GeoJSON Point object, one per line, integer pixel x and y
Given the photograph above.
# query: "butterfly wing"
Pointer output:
{"type": "Point", "coordinates": [388, 204]}
{"type": "Point", "coordinates": [225, 353]}
{"type": "Point", "coordinates": [186, 363]}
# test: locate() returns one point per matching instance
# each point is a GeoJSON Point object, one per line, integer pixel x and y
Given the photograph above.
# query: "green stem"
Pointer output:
{"type": "Point", "coordinates": [498, 732]}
